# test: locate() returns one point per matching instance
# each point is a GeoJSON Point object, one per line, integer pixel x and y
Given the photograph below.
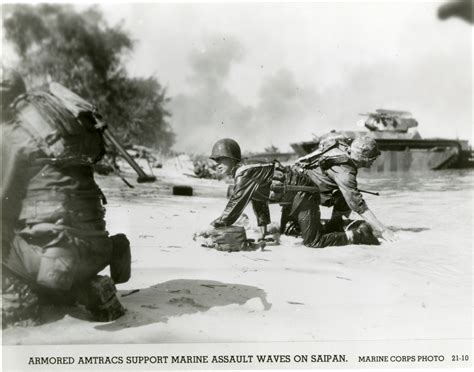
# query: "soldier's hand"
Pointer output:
{"type": "Point", "coordinates": [389, 235]}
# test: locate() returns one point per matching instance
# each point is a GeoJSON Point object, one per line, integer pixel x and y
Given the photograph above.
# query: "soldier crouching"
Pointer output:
{"type": "Point", "coordinates": [54, 241]}
{"type": "Point", "coordinates": [261, 184]}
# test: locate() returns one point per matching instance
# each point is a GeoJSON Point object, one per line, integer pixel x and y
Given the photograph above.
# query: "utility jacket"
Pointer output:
{"type": "Point", "coordinates": [42, 199]}
{"type": "Point", "coordinates": [336, 171]}
{"type": "Point", "coordinates": [252, 184]}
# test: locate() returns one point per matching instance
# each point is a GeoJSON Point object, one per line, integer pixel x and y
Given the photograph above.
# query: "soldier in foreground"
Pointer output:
{"type": "Point", "coordinates": [333, 168]}
{"type": "Point", "coordinates": [54, 241]}
{"type": "Point", "coordinates": [260, 184]}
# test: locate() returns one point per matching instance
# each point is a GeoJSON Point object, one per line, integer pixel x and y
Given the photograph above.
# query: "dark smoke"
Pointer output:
{"type": "Point", "coordinates": [211, 111]}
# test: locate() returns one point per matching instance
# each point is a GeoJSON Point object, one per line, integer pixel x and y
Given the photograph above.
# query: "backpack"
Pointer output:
{"type": "Point", "coordinates": [316, 158]}
{"type": "Point", "coordinates": [62, 124]}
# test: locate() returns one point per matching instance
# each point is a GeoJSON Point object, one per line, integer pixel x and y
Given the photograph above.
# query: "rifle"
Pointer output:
{"type": "Point", "coordinates": [142, 176]}
{"type": "Point", "coordinates": [369, 192]}
{"type": "Point", "coordinates": [310, 189]}
{"type": "Point", "coordinates": [294, 188]}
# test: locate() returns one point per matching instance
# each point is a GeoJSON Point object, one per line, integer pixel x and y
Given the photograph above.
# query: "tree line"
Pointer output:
{"type": "Point", "coordinates": [80, 50]}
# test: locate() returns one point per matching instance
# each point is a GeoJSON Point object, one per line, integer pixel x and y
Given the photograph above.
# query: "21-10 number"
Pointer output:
{"type": "Point", "coordinates": [460, 358]}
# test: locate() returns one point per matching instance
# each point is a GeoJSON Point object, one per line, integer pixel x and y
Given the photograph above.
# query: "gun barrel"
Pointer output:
{"type": "Point", "coordinates": [311, 189]}
{"type": "Point", "coordinates": [369, 192]}
{"type": "Point", "coordinates": [142, 176]}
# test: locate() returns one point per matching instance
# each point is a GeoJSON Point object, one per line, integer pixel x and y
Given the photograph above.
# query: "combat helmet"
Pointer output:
{"type": "Point", "coordinates": [226, 148]}
{"type": "Point", "coordinates": [364, 148]}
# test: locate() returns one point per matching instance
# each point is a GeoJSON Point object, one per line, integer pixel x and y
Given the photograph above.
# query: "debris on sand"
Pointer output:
{"type": "Point", "coordinates": [186, 301]}
{"type": "Point", "coordinates": [130, 293]}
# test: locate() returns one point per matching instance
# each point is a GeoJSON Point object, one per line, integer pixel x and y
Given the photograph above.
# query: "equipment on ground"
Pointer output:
{"type": "Point", "coordinates": [229, 239]}
{"type": "Point", "coordinates": [183, 190]}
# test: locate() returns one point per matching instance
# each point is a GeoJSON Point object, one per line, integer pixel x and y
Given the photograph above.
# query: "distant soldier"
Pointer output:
{"type": "Point", "coordinates": [54, 240]}
{"type": "Point", "coordinates": [333, 168]}
{"type": "Point", "coordinates": [262, 184]}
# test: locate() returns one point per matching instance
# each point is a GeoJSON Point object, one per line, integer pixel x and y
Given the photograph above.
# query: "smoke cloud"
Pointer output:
{"type": "Point", "coordinates": [211, 111]}
{"type": "Point", "coordinates": [285, 110]}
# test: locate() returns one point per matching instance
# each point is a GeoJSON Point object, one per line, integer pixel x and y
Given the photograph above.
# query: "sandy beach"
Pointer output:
{"type": "Point", "coordinates": [417, 288]}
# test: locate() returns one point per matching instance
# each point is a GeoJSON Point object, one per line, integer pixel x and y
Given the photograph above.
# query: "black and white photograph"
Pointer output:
{"type": "Point", "coordinates": [237, 185]}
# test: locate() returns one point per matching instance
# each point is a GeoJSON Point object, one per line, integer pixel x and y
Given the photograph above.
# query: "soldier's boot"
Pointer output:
{"type": "Point", "coordinates": [364, 234]}
{"type": "Point", "coordinates": [20, 304]}
{"type": "Point", "coordinates": [335, 224]}
{"type": "Point", "coordinates": [120, 264]}
{"type": "Point", "coordinates": [100, 298]}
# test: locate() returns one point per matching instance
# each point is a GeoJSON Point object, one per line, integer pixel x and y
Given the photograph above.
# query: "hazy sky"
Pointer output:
{"type": "Point", "coordinates": [276, 73]}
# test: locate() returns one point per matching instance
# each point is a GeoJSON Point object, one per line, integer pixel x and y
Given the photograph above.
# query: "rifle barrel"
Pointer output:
{"type": "Point", "coordinates": [369, 192]}
{"type": "Point", "coordinates": [142, 176]}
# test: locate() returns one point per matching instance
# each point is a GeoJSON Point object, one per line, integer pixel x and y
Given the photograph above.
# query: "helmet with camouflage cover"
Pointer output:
{"type": "Point", "coordinates": [364, 149]}
{"type": "Point", "coordinates": [226, 148]}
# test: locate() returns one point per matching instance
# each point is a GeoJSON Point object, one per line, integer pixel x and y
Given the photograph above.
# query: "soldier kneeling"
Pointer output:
{"type": "Point", "coordinates": [54, 239]}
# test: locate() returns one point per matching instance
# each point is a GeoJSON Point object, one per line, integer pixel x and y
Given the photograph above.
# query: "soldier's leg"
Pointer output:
{"type": "Point", "coordinates": [288, 226]}
{"type": "Point", "coordinates": [98, 293]}
{"type": "Point", "coordinates": [340, 209]}
{"type": "Point", "coordinates": [309, 218]}
{"type": "Point", "coordinates": [67, 271]}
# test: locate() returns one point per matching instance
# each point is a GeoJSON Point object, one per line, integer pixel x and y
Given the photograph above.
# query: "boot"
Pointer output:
{"type": "Point", "coordinates": [100, 298]}
{"type": "Point", "coordinates": [364, 235]}
{"type": "Point", "coordinates": [20, 304]}
{"type": "Point", "coordinates": [335, 224]}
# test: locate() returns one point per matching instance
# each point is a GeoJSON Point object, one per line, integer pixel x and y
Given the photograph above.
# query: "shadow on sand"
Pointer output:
{"type": "Point", "coordinates": [162, 301]}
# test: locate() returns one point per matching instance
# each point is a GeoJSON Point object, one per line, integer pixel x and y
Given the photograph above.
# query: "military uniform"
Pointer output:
{"type": "Point", "coordinates": [336, 177]}
{"type": "Point", "coordinates": [253, 184]}
{"type": "Point", "coordinates": [54, 234]}
{"type": "Point", "coordinates": [335, 174]}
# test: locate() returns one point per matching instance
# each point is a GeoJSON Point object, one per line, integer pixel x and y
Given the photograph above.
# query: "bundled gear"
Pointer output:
{"type": "Point", "coordinates": [320, 157]}
{"type": "Point", "coordinates": [229, 239]}
{"type": "Point", "coordinates": [226, 148]}
{"type": "Point", "coordinates": [66, 131]}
